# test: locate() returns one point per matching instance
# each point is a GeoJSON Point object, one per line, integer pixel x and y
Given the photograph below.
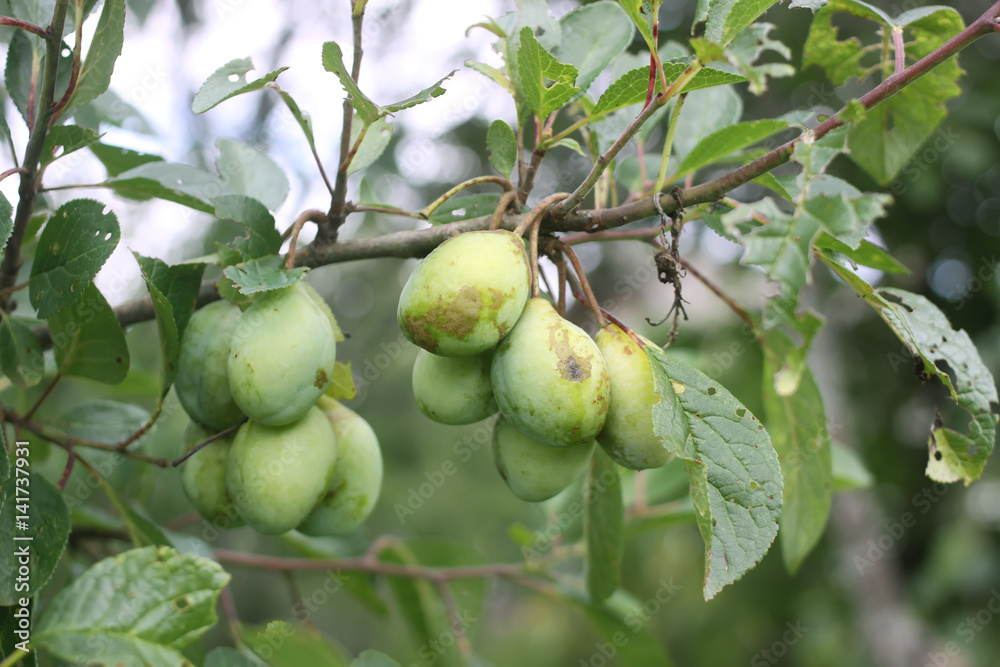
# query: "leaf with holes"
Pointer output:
{"type": "Point", "coordinates": [464, 207]}
{"type": "Point", "coordinates": [735, 477]}
{"type": "Point", "coordinates": [229, 81]}
{"type": "Point", "coordinates": [74, 245]}
{"type": "Point", "coordinates": [948, 355]}
{"type": "Point", "coordinates": [88, 339]}
{"type": "Point", "coordinates": [144, 604]}
{"type": "Point", "coordinates": [425, 95]}
{"type": "Point", "coordinates": [796, 420]}
{"type": "Point", "coordinates": [105, 47]}
{"type": "Point", "coordinates": [333, 61]}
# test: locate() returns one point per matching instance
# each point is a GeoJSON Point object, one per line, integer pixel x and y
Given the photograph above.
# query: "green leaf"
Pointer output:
{"type": "Point", "coordinates": [101, 420]}
{"type": "Point", "coordinates": [420, 601]}
{"type": "Point", "coordinates": [174, 292]}
{"type": "Point", "coordinates": [249, 172]}
{"type": "Point", "coordinates": [491, 73]}
{"type": "Point", "coordinates": [727, 18]}
{"type": "Point", "coordinates": [179, 183]}
{"type": "Point", "coordinates": [502, 146]}
{"type": "Point", "coordinates": [117, 160]}
{"type": "Point", "coordinates": [142, 604]}
{"type": "Point", "coordinates": [796, 420]}
{"type": "Point", "coordinates": [30, 498]}
{"type": "Point", "coordinates": [285, 645]}
{"type": "Point", "coordinates": [728, 140]}
{"type": "Point", "coordinates": [535, 66]}
{"type": "Point", "coordinates": [705, 112]}
{"type": "Point", "coordinates": [849, 472]}
{"type": "Point", "coordinates": [593, 36]}
{"type": "Point", "coordinates": [745, 53]}
{"type": "Point", "coordinates": [263, 238]}
{"type": "Point", "coordinates": [23, 58]}
{"type": "Point", "coordinates": [70, 137]}
{"type": "Point", "coordinates": [342, 385]}
{"type": "Point", "coordinates": [377, 137]}
{"type": "Point", "coordinates": [604, 519]}
{"type": "Point", "coordinates": [372, 658]}
{"type": "Point", "coordinates": [301, 117]}
{"type": "Point", "coordinates": [6, 221]}
{"type": "Point", "coordinates": [846, 216]}
{"type": "Point", "coordinates": [948, 355]}
{"type": "Point", "coordinates": [229, 81]}
{"type": "Point", "coordinates": [223, 656]}
{"type": "Point", "coordinates": [105, 47]}
{"type": "Point", "coordinates": [425, 95]}
{"type": "Point", "coordinates": [643, 14]}
{"type": "Point", "coordinates": [88, 339]}
{"type": "Point", "coordinates": [20, 353]}
{"type": "Point", "coordinates": [633, 86]}
{"type": "Point", "coordinates": [74, 245]}
{"type": "Point", "coordinates": [735, 476]}
{"type": "Point", "coordinates": [464, 207]}
{"type": "Point", "coordinates": [867, 254]}
{"type": "Point", "coordinates": [263, 274]}
{"type": "Point", "coordinates": [333, 61]}
{"type": "Point", "coordinates": [890, 133]}
{"type": "Point", "coordinates": [623, 621]}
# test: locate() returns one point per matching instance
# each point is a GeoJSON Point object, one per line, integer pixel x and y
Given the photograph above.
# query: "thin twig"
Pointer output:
{"type": "Point", "coordinates": [479, 180]}
{"type": "Point", "coordinates": [45, 394]}
{"type": "Point", "coordinates": [11, 172]}
{"type": "Point", "coordinates": [506, 200]}
{"type": "Point", "coordinates": [24, 25]}
{"type": "Point", "coordinates": [312, 215]}
{"type": "Point", "coordinates": [232, 619]}
{"type": "Point", "coordinates": [561, 268]}
{"type": "Point", "coordinates": [338, 192]}
{"type": "Point", "coordinates": [197, 448]}
{"type": "Point", "coordinates": [591, 300]}
{"type": "Point", "coordinates": [68, 470]}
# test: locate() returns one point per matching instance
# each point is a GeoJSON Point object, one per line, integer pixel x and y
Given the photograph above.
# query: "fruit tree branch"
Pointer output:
{"type": "Point", "coordinates": [419, 242]}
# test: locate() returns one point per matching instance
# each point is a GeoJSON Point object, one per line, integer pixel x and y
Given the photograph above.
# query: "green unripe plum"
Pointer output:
{"type": "Point", "coordinates": [202, 382]}
{"type": "Point", "coordinates": [357, 475]}
{"type": "Point", "coordinates": [532, 470]}
{"type": "Point", "coordinates": [282, 355]}
{"type": "Point", "coordinates": [467, 294]}
{"type": "Point", "coordinates": [203, 477]}
{"type": "Point", "coordinates": [549, 378]}
{"type": "Point", "coordinates": [454, 390]}
{"type": "Point", "coordinates": [277, 474]}
{"type": "Point", "coordinates": [628, 436]}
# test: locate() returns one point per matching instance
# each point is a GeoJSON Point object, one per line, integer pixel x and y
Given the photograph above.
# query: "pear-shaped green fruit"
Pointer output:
{"type": "Point", "coordinates": [532, 470]}
{"type": "Point", "coordinates": [357, 476]}
{"type": "Point", "coordinates": [203, 477]}
{"type": "Point", "coordinates": [467, 294]}
{"type": "Point", "coordinates": [549, 378]}
{"type": "Point", "coordinates": [282, 355]}
{"type": "Point", "coordinates": [202, 382]}
{"type": "Point", "coordinates": [277, 474]}
{"type": "Point", "coordinates": [628, 436]}
{"type": "Point", "coordinates": [454, 390]}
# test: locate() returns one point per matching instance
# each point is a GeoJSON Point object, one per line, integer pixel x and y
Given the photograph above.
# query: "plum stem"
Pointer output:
{"type": "Point", "coordinates": [591, 300]}
{"type": "Point", "coordinates": [197, 448]}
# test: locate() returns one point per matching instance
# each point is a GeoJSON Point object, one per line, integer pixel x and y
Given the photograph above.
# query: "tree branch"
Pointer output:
{"type": "Point", "coordinates": [24, 25]}
{"type": "Point", "coordinates": [28, 187]}
{"type": "Point", "coordinates": [419, 242]}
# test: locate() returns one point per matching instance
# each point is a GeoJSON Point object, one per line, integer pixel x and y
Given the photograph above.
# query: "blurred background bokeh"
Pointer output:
{"type": "Point", "coordinates": [905, 566]}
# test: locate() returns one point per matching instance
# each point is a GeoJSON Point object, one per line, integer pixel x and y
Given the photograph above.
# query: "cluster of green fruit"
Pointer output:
{"type": "Point", "coordinates": [301, 459]}
{"type": "Point", "coordinates": [486, 345]}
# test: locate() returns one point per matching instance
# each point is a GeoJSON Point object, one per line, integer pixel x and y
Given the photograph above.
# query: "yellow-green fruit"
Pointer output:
{"type": "Point", "coordinates": [282, 355]}
{"type": "Point", "coordinates": [467, 294]}
{"type": "Point", "coordinates": [357, 476]}
{"type": "Point", "coordinates": [454, 390]}
{"type": "Point", "coordinates": [277, 474]}
{"type": "Point", "coordinates": [203, 477]}
{"type": "Point", "coordinates": [628, 436]}
{"type": "Point", "coordinates": [202, 382]}
{"type": "Point", "coordinates": [549, 378]}
{"type": "Point", "coordinates": [534, 471]}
